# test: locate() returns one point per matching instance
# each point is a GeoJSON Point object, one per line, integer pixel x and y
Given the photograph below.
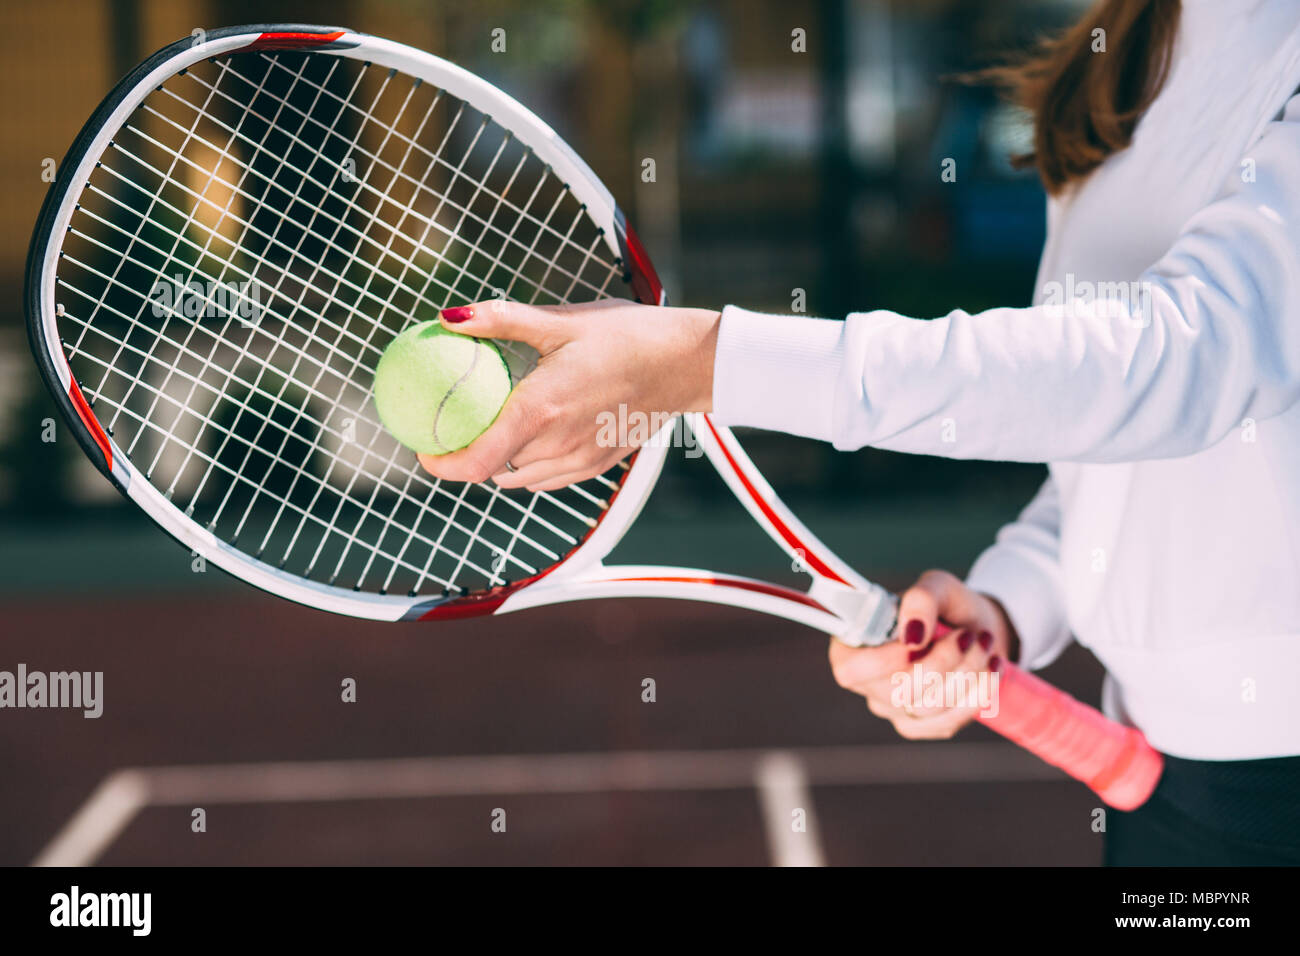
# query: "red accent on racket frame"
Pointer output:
{"type": "Point", "coordinates": [786, 533]}
{"type": "Point", "coordinates": [293, 41]}
{"type": "Point", "coordinates": [91, 422]}
{"type": "Point", "coordinates": [486, 602]}
{"type": "Point", "coordinates": [642, 276]}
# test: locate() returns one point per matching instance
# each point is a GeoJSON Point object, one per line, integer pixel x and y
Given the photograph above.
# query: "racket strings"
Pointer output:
{"type": "Point", "coordinates": [416, 536]}
{"type": "Point", "coordinates": [476, 184]}
{"type": "Point", "coordinates": [549, 554]}
{"type": "Point", "coordinates": [284, 502]}
{"type": "Point", "coordinates": [350, 374]}
{"type": "Point", "coordinates": [608, 272]}
{"type": "Point", "coordinates": [172, 368]}
{"type": "Point", "coordinates": [233, 175]}
{"type": "Point", "coordinates": [587, 256]}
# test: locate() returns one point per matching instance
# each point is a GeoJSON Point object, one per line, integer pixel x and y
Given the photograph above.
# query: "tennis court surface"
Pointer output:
{"type": "Point", "coordinates": [220, 698]}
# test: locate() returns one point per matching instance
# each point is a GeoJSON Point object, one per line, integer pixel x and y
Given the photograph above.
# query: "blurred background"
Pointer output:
{"type": "Point", "coordinates": [798, 150]}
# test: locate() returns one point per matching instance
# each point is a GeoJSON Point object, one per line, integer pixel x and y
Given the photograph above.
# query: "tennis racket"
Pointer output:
{"type": "Point", "coordinates": [234, 237]}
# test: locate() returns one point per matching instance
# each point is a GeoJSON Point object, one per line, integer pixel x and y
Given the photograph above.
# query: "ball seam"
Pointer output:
{"type": "Point", "coordinates": [437, 414]}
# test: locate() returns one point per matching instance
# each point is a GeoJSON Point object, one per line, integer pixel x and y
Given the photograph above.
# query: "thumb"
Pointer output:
{"type": "Point", "coordinates": [542, 328]}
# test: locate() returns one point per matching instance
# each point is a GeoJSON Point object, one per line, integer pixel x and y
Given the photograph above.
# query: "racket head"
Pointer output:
{"type": "Point", "coordinates": [234, 435]}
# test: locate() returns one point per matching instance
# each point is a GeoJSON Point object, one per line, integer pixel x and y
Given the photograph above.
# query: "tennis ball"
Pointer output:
{"type": "Point", "coordinates": [437, 391]}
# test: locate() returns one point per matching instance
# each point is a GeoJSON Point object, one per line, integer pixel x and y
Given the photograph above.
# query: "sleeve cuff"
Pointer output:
{"type": "Point", "coordinates": [1029, 596]}
{"type": "Point", "coordinates": [777, 372]}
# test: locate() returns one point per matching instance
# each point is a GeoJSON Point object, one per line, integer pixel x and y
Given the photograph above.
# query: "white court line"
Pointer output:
{"type": "Point", "coordinates": [783, 792]}
{"type": "Point", "coordinates": [98, 823]}
{"type": "Point", "coordinates": [126, 792]}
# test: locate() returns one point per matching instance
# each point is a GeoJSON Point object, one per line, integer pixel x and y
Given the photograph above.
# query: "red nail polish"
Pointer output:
{"type": "Point", "coordinates": [458, 313]}
{"type": "Point", "coordinates": [985, 639]}
{"type": "Point", "coordinates": [914, 656]}
{"type": "Point", "coordinates": [914, 633]}
{"type": "Point", "coordinates": [964, 641]}
{"type": "Point", "coordinates": [995, 663]}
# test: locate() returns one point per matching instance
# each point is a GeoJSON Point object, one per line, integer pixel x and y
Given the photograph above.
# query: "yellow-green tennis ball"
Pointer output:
{"type": "Point", "coordinates": [437, 391]}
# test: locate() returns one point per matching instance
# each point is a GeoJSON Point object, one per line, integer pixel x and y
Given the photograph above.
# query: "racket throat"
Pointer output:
{"type": "Point", "coordinates": [868, 612]}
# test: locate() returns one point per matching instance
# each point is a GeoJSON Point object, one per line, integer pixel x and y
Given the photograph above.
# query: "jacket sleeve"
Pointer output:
{"type": "Point", "coordinates": [1162, 367]}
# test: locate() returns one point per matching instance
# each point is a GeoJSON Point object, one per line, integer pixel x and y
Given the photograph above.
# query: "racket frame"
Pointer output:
{"type": "Point", "coordinates": [840, 602]}
{"type": "Point", "coordinates": [60, 205]}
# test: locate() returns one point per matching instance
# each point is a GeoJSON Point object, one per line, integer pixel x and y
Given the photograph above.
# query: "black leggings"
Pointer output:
{"type": "Point", "coordinates": [1213, 813]}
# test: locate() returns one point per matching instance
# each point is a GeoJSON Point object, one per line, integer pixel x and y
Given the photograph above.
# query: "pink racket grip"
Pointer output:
{"type": "Point", "coordinates": [1114, 760]}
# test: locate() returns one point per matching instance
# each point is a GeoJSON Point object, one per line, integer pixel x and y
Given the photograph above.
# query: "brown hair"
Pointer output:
{"type": "Point", "coordinates": [1085, 103]}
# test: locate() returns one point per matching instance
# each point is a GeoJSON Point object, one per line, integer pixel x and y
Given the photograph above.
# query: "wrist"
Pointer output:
{"type": "Point", "coordinates": [702, 351]}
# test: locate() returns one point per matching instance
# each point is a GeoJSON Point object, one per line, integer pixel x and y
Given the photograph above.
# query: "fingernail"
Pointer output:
{"type": "Point", "coordinates": [995, 663]}
{"type": "Point", "coordinates": [458, 313]}
{"type": "Point", "coordinates": [964, 641]}
{"type": "Point", "coordinates": [913, 656]}
{"type": "Point", "coordinates": [914, 633]}
{"type": "Point", "coordinates": [985, 639]}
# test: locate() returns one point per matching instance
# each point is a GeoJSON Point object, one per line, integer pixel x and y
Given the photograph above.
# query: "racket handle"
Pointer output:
{"type": "Point", "coordinates": [1114, 760]}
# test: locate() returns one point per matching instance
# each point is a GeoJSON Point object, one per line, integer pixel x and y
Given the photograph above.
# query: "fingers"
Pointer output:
{"type": "Point", "coordinates": [542, 327]}
{"type": "Point", "coordinates": [569, 478]}
{"type": "Point", "coordinates": [550, 429]}
{"type": "Point", "coordinates": [940, 726]}
{"type": "Point", "coordinates": [960, 657]}
{"type": "Point", "coordinates": [938, 598]}
{"type": "Point", "coordinates": [860, 668]}
{"type": "Point", "coordinates": [549, 474]}
{"type": "Point", "coordinates": [512, 439]}
{"type": "Point", "coordinates": [488, 454]}
{"type": "Point", "coordinates": [918, 608]}
{"type": "Point", "coordinates": [900, 688]}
